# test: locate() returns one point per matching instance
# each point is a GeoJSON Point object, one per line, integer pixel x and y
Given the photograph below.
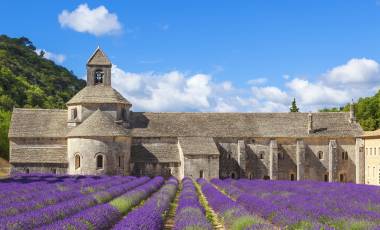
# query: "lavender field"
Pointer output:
{"type": "Point", "coordinates": [41, 201]}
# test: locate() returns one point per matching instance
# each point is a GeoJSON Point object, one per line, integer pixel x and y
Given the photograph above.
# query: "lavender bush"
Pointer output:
{"type": "Point", "coordinates": [150, 214]}
{"type": "Point", "coordinates": [65, 209]}
{"type": "Point", "coordinates": [306, 204]}
{"type": "Point", "coordinates": [105, 215]}
{"type": "Point", "coordinates": [190, 214]}
{"type": "Point", "coordinates": [234, 215]}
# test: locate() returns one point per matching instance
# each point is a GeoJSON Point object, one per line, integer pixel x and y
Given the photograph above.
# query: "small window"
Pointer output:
{"type": "Point", "coordinates": [53, 170]}
{"type": "Point", "coordinates": [374, 151]}
{"type": "Point", "coordinates": [77, 161]}
{"type": "Point", "coordinates": [27, 171]}
{"type": "Point", "coordinates": [366, 151]}
{"type": "Point", "coordinates": [342, 177]}
{"type": "Point", "coordinates": [121, 163]}
{"type": "Point", "coordinates": [99, 162]}
{"type": "Point", "coordinates": [292, 177]}
{"type": "Point", "coordinates": [266, 177]}
{"type": "Point", "coordinates": [261, 155]}
{"type": "Point", "coordinates": [201, 174]}
{"type": "Point", "coordinates": [326, 177]}
{"type": "Point", "coordinates": [370, 151]}
{"type": "Point", "coordinates": [74, 113]}
{"type": "Point", "coordinates": [344, 155]}
{"type": "Point", "coordinates": [98, 78]}
{"type": "Point", "coordinates": [229, 156]}
{"type": "Point", "coordinates": [320, 155]}
{"type": "Point", "coordinates": [250, 176]}
{"type": "Point", "coordinates": [233, 175]}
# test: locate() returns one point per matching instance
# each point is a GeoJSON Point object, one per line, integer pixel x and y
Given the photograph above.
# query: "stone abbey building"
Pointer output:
{"type": "Point", "coordinates": [99, 134]}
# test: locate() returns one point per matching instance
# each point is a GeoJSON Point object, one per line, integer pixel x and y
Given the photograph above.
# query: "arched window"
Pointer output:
{"type": "Point", "coordinates": [292, 177]}
{"type": "Point", "coordinates": [228, 155]}
{"type": "Point", "coordinates": [99, 161]}
{"type": "Point", "coordinates": [326, 177]}
{"type": "Point", "coordinates": [77, 161]}
{"type": "Point", "coordinates": [320, 155]}
{"type": "Point", "coordinates": [233, 175]}
{"type": "Point", "coordinates": [201, 174]}
{"type": "Point", "coordinates": [98, 78]}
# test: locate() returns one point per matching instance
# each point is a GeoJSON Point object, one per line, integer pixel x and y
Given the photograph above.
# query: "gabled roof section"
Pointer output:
{"type": "Point", "coordinates": [98, 94]}
{"type": "Point", "coordinates": [155, 153]}
{"type": "Point", "coordinates": [98, 124]}
{"type": "Point", "coordinates": [99, 58]}
{"type": "Point", "coordinates": [42, 123]}
{"type": "Point", "coordinates": [198, 146]}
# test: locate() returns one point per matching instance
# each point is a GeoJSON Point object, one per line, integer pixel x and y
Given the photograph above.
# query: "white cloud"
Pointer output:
{"type": "Point", "coordinates": [97, 21]}
{"type": "Point", "coordinates": [270, 93]}
{"type": "Point", "coordinates": [173, 91]}
{"type": "Point", "coordinates": [355, 71]}
{"type": "Point", "coordinates": [57, 58]}
{"type": "Point", "coordinates": [286, 76]}
{"type": "Point", "coordinates": [308, 93]}
{"type": "Point", "coordinates": [258, 81]}
{"type": "Point", "coordinates": [177, 91]}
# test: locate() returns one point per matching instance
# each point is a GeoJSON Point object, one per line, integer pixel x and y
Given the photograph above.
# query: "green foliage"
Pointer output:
{"type": "Point", "coordinates": [367, 111]}
{"type": "Point", "coordinates": [5, 118]}
{"type": "Point", "coordinates": [294, 107]}
{"type": "Point", "coordinates": [29, 80]}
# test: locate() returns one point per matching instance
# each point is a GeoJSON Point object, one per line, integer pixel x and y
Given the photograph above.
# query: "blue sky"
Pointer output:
{"type": "Point", "coordinates": [214, 55]}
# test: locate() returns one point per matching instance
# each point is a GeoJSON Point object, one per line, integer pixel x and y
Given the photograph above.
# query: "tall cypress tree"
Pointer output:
{"type": "Point", "coordinates": [294, 107]}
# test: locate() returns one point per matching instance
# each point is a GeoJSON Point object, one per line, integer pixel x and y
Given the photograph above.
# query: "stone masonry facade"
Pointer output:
{"type": "Point", "coordinates": [99, 134]}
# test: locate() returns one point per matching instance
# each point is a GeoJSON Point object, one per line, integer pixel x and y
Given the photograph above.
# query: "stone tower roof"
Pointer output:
{"type": "Point", "coordinates": [98, 124]}
{"type": "Point", "coordinates": [99, 58]}
{"type": "Point", "coordinates": [98, 94]}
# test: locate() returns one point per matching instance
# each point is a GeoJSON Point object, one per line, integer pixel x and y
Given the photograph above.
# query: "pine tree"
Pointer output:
{"type": "Point", "coordinates": [294, 107]}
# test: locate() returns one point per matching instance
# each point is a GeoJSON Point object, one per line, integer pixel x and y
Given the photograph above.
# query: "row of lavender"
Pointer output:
{"type": "Point", "coordinates": [233, 214]}
{"type": "Point", "coordinates": [307, 205]}
{"type": "Point", "coordinates": [97, 203]}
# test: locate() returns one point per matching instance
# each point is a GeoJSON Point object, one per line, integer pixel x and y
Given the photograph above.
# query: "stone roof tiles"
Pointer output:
{"type": "Point", "coordinates": [99, 58]}
{"type": "Point", "coordinates": [242, 125]}
{"type": "Point", "coordinates": [38, 155]}
{"type": "Point", "coordinates": [49, 123]}
{"type": "Point", "coordinates": [155, 153]}
{"type": "Point", "coordinates": [198, 146]}
{"type": "Point", "coordinates": [98, 124]}
{"type": "Point", "coordinates": [98, 94]}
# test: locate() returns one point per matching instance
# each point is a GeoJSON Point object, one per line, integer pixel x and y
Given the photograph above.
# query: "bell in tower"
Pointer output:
{"type": "Point", "coordinates": [99, 69]}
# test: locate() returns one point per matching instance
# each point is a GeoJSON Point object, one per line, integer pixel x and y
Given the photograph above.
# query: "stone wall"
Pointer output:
{"type": "Point", "coordinates": [202, 166]}
{"type": "Point", "coordinates": [88, 150]}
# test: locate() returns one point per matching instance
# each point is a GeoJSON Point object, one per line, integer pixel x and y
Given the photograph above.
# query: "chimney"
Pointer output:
{"type": "Point", "coordinates": [309, 123]}
{"type": "Point", "coordinates": [352, 112]}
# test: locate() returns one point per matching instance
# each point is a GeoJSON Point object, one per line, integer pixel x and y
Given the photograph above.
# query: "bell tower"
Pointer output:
{"type": "Point", "coordinates": [99, 69]}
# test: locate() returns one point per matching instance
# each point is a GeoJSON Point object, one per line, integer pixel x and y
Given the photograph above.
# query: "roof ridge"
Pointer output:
{"type": "Point", "coordinates": [38, 109]}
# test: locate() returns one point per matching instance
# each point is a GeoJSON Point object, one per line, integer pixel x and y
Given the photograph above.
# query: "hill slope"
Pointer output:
{"type": "Point", "coordinates": [27, 79]}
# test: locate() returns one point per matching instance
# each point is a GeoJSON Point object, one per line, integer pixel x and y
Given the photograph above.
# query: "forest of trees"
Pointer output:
{"type": "Point", "coordinates": [29, 80]}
